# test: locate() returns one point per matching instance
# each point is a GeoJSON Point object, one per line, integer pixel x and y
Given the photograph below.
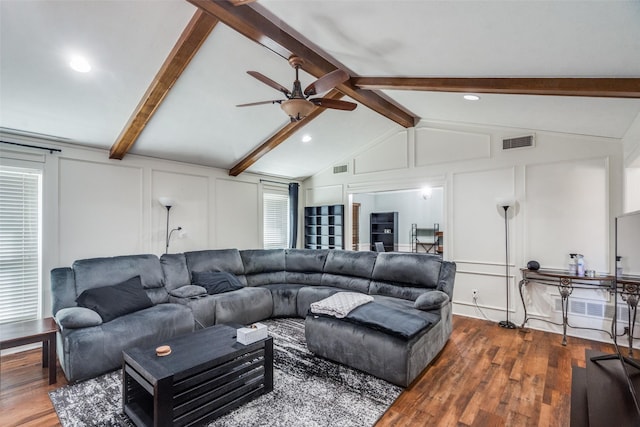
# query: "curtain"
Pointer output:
{"type": "Point", "coordinates": [293, 214]}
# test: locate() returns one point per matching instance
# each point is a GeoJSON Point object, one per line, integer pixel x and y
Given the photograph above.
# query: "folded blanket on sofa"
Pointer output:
{"type": "Point", "coordinates": [340, 304]}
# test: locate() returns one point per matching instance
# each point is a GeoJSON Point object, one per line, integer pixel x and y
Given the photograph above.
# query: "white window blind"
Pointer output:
{"type": "Point", "coordinates": [19, 244]}
{"type": "Point", "coordinates": [275, 219]}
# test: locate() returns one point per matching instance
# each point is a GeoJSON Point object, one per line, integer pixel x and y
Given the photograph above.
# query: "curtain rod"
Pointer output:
{"type": "Point", "coordinates": [50, 150]}
{"type": "Point", "coordinates": [274, 182]}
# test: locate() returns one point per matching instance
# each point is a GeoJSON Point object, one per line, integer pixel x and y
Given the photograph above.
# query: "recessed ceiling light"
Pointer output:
{"type": "Point", "coordinates": [471, 97]}
{"type": "Point", "coordinates": [306, 138]}
{"type": "Point", "coordinates": [79, 64]}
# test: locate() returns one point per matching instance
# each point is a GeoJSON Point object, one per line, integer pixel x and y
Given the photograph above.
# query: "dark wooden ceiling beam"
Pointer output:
{"type": "Point", "coordinates": [279, 137]}
{"type": "Point", "coordinates": [595, 87]}
{"type": "Point", "coordinates": [252, 24]}
{"type": "Point", "coordinates": [194, 34]}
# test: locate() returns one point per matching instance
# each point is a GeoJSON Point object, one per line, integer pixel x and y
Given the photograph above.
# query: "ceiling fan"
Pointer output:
{"type": "Point", "coordinates": [298, 103]}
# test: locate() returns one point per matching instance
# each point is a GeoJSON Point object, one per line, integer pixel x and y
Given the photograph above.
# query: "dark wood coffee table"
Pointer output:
{"type": "Point", "coordinates": [33, 331]}
{"type": "Point", "coordinates": [206, 375]}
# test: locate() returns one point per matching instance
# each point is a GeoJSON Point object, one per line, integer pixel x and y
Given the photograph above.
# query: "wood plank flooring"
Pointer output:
{"type": "Point", "coordinates": [485, 376]}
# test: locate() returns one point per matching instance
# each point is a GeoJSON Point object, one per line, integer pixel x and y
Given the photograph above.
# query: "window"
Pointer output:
{"type": "Point", "coordinates": [20, 191]}
{"type": "Point", "coordinates": [275, 218]}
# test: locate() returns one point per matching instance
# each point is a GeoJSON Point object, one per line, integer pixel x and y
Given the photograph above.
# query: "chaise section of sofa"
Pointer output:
{"type": "Point", "coordinates": [398, 334]}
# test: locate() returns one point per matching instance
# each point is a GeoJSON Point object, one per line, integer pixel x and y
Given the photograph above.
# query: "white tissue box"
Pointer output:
{"type": "Point", "coordinates": [250, 335]}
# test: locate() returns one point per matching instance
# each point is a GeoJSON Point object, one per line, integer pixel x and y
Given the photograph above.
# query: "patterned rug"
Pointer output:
{"type": "Point", "coordinates": [308, 391]}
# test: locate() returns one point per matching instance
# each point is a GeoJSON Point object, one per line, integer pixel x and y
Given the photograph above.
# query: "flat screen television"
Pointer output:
{"type": "Point", "coordinates": [628, 243]}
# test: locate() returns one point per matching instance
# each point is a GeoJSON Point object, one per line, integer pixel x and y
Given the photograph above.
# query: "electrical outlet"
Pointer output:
{"type": "Point", "coordinates": [474, 293]}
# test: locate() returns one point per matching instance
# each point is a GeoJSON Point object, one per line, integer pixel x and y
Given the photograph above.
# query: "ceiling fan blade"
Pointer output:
{"type": "Point", "coordinates": [326, 82]}
{"type": "Point", "coordinates": [275, 101]}
{"type": "Point", "coordinates": [266, 80]}
{"type": "Point", "coordinates": [336, 104]}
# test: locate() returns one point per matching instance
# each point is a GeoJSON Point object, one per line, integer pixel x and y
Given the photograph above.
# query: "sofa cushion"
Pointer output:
{"type": "Point", "coordinates": [97, 272]}
{"type": "Point", "coordinates": [284, 297]}
{"type": "Point", "coordinates": [115, 300]}
{"type": "Point", "coordinates": [176, 273]}
{"type": "Point", "coordinates": [228, 260]}
{"type": "Point", "coordinates": [77, 317]}
{"type": "Point", "coordinates": [349, 270]}
{"type": "Point", "coordinates": [216, 282]}
{"type": "Point", "coordinates": [432, 300]}
{"type": "Point", "coordinates": [407, 270]}
{"type": "Point", "coordinates": [188, 291]}
{"type": "Point", "coordinates": [244, 306]}
{"type": "Point", "coordinates": [263, 266]}
{"type": "Point", "coordinates": [399, 323]}
{"type": "Point", "coordinates": [305, 266]}
{"type": "Point", "coordinates": [310, 294]}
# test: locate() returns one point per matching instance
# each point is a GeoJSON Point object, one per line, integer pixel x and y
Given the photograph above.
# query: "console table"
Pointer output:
{"type": "Point", "coordinates": [566, 283]}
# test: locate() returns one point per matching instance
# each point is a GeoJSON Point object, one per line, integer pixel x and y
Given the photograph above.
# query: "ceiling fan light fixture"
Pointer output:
{"type": "Point", "coordinates": [471, 97]}
{"type": "Point", "coordinates": [297, 108]}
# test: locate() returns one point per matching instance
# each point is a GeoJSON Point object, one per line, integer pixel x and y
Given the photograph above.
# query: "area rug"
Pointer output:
{"type": "Point", "coordinates": [308, 391]}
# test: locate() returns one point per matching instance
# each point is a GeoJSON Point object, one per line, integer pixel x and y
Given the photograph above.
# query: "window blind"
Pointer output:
{"type": "Point", "coordinates": [275, 219]}
{"type": "Point", "coordinates": [19, 244]}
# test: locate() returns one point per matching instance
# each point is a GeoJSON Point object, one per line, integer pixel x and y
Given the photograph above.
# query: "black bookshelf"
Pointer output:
{"type": "Point", "coordinates": [324, 227]}
{"type": "Point", "coordinates": [384, 228]}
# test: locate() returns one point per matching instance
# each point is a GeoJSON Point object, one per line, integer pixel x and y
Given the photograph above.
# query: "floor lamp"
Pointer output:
{"type": "Point", "coordinates": [167, 203]}
{"type": "Point", "coordinates": [505, 205]}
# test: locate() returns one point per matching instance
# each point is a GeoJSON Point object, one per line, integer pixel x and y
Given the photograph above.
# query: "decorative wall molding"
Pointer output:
{"type": "Point", "coordinates": [435, 146]}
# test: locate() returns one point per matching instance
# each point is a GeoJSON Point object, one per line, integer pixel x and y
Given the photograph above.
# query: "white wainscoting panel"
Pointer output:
{"type": "Point", "coordinates": [327, 195]}
{"type": "Point", "coordinates": [190, 211]}
{"type": "Point", "coordinates": [440, 146]}
{"type": "Point", "coordinates": [390, 154]}
{"type": "Point", "coordinates": [237, 215]}
{"type": "Point", "coordinates": [567, 212]}
{"type": "Point", "coordinates": [100, 210]}
{"type": "Point", "coordinates": [478, 224]}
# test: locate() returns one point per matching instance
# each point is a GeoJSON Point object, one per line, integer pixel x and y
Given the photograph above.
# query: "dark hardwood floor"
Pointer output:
{"type": "Point", "coordinates": [485, 376]}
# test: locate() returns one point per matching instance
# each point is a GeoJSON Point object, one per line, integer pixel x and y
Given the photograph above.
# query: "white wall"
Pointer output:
{"type": "Point", "coordinates": [568, 187]}
{"type": "Point", "coordinates": [96, 207]}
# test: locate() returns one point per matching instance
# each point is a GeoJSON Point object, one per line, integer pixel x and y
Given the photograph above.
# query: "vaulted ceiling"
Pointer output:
{"type": "Point", "coordinates": [166, 75]}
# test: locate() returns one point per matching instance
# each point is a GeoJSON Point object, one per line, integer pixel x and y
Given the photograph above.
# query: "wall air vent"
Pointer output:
{"type": "Point", "coordinates": [518, 142]}
{"type": "Point", "coordinates": [340, 169]}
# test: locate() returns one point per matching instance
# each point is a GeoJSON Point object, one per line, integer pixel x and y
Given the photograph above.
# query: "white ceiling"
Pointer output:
{"type": "Point", "coordinates": [127, 40]}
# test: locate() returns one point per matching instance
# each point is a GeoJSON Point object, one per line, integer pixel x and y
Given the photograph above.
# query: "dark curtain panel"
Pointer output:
{"type": "Point", "coordinates": [293, 214]}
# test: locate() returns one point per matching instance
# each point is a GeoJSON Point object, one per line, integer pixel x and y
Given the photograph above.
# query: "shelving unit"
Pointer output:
{"type": "Point", "coordinates": [384, 228]}
{"type": "Point", "coordinates": [324, 227]}
{"type": "Point", "coordinates": [428, 239]}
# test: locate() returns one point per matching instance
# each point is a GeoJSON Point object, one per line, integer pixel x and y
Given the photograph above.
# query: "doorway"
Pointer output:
{"type": "Point", "coordinates": [355, 226]}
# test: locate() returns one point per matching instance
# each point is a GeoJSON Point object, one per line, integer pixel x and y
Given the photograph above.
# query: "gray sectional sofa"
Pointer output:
{"type": "Point", "coordinates": [394, 337]}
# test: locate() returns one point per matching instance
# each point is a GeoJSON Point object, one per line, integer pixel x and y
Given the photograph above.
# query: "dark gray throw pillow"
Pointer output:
{"type": "Point", "coordinates": [116, 300]}
{"type": "Point", "coordinates": [216, 282]}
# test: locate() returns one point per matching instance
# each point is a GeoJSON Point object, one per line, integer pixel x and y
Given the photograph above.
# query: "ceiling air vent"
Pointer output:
{"type": "Point", "coordinates": [340, 169]}
{"type": "Point", "coordinates": [518, 142]}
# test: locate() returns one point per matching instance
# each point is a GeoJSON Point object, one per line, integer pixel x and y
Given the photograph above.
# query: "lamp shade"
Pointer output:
{"type": "Point", "coordinates": [297, 108]}
{"type": "Point", "coordinates": [506, 202]}
{"type": "Point", "coordinates": [167, 202]}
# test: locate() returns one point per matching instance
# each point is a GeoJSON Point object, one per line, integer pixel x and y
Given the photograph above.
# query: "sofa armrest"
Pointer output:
{"type": "Point", "coordinates": [77, 317]}
{"type": "Point", "coordinates": [431, 300]}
